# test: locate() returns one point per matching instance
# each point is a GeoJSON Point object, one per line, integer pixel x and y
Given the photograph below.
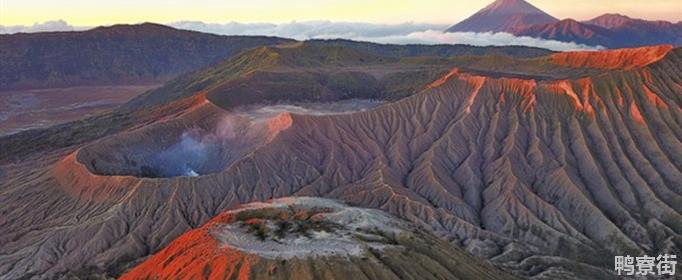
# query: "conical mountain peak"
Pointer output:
{"type": "Point", "coordinates": [504, 16]}
{"type": "Point", "coordinates": [508, 7]}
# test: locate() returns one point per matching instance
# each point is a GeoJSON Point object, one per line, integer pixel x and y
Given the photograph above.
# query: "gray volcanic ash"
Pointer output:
{"type": "Point", "coordinates": [313, 109]}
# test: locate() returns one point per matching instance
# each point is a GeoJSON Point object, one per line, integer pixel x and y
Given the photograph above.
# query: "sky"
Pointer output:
{"type": "Point", "coordinates": [107, 12]}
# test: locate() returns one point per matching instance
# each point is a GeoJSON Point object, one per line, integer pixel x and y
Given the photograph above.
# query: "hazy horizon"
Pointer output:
{"type": "Point", "coordinates": [403, 33]}
{"type": "Point", "coordinates": [88, 13]}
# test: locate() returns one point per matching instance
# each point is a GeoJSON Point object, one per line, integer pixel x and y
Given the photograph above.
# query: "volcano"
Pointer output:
{"type": "Point", "coordinates": [503, 16]}
{"type": "Point", "coordinates": [310, 238]}
{"type": "Point", "coordinates": [544, 166]}
{"type": "Point", "coordinates": [520, 18]}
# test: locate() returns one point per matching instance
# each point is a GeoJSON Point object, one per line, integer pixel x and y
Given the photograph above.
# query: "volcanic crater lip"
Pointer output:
{"type": "Point", "coordinates": [181, 148]}
{"type": "Point", "coordinates": [394, 247]}
{"type": "Point", "coordinates": [351, 231]}
{"type": "Point", "coordinates": [624, 59]}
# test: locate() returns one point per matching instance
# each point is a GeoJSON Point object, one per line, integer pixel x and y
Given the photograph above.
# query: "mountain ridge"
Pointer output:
{"type": "Point", "coordinates": [609, 20]}
{"type": "Point", "coordinates": [118, 54]}
{"type": "Point", "coordinates": [608, 30]}
{"type": "Point", "coordinates": [569, 30]}
{"type": "Point", "coordinates": [343, 59]}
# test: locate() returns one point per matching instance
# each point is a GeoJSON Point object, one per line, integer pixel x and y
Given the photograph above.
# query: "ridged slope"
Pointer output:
{"type": "Point", "coordinates": [621, 59]}
{"type": "Point", "coordinates": [550, 178]}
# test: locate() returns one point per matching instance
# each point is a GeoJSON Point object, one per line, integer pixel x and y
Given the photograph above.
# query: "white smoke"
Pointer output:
{"type": "Point", "coordinates": [200, 151]}
{"type": "Point", "coordinates": [403, 33]}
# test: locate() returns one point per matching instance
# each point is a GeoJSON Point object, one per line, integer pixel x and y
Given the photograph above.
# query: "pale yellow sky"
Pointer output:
{"type": "Point", "coordinates": [104, 12]}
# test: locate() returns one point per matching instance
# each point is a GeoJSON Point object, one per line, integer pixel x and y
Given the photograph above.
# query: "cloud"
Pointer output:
{"type": "Point", "coordinates": [403, 33]}
{"type": "Point", "coordinates": [53, 25]}
{"type": "Point", "coordinates": [310, 29]}
{"type": "Point", "coordinates": [478, 39]}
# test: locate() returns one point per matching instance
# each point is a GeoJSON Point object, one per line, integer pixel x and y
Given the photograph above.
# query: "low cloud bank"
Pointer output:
{"type": "Point", "coordinates": [48, 26]}
{"type": "Point", "coordinates": [404, 33]}
{"type": "Point", "coordinates": [479, 39]}
{"type": "Point", "coordinates": [310, 29]}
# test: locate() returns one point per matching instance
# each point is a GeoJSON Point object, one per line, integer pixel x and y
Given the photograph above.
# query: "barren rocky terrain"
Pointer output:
{"type": "Point", "coordinates": [547, 167]}
{"type": "Point", "coordinates": [37, 108]}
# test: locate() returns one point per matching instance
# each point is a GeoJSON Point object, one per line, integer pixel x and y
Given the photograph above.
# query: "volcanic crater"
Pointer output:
{"type": "Point", "coordinates": [202, 141]}
{"type": "Point", "coordinates": [292, 238]}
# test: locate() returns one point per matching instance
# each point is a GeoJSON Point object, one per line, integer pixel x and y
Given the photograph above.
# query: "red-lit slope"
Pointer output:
{"type": "Point", "coordinates": [310, 238]}
{"type": "Point", "coordinates": [196, 255]}
{"type": "Point", "coordinates": [625, 59]}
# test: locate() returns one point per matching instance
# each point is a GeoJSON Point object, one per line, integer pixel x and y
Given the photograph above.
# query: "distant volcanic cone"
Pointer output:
{"type": "Point", "coordinates": [310, 238]}
{"type": "Point", "coordinates": [503, 16]}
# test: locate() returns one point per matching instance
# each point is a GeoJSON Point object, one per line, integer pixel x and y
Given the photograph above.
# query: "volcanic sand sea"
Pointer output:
{"type": "Point", "coordinates": [35, 108]}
